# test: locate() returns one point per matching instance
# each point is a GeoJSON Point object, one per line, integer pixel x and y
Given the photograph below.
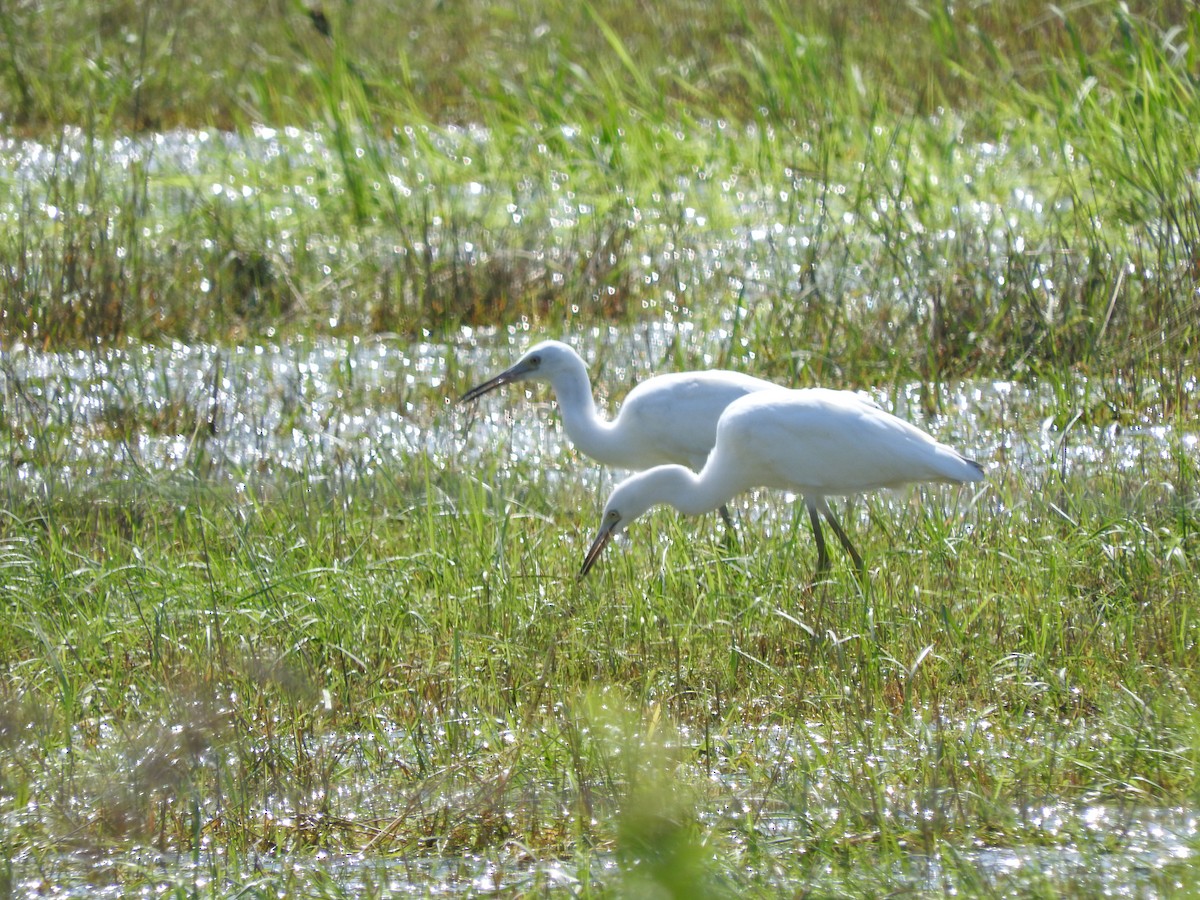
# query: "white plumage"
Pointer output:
{"type": "Point", "coordinates": [666, 419]}
{"type": "Point", "coordinates": [815, 442]}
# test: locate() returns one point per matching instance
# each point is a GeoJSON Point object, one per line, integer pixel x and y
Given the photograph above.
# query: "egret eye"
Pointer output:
{"type": "Point", "coordinates": [535, 361]}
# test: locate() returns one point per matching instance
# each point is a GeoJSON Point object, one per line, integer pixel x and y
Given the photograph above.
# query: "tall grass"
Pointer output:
{"type": "Point", "coordinates": [397, 659]}
{"type": "Point", "coordinates": [990, 198]}
{"type": "Point", "coordinates": [406, 664]}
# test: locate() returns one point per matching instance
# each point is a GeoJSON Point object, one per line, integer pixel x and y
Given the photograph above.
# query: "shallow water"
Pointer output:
{"type": "Point", "coordinates": [1088, 849]}
{"type": "Point", "coordinates": [1120, 853]}
{"type": "Point", "coordinates": [297, 409]}
{"type": "Point", "coordinates": [695, 238]}
{"type": "Point", "coordinates": [310, 409]}
{"type": "Point", "coordinates": [323, 874]}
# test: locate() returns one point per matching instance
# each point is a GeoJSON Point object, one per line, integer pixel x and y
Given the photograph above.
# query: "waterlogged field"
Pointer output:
{"type": "Point", "coordinates": [295, 620]}
{"type": "Point", "coordinates": [282, 618]}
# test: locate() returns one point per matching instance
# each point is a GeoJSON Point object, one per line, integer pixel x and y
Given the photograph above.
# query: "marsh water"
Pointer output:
{"type": "Point", "coordinates": [265, 412]}
{"type": "Point", "coordinates": [250, 416]}
{"type": "Point", "coordinates": [273, 411]}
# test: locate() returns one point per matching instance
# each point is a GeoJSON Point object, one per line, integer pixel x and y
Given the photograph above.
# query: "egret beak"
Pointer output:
{"type": "Point", "coordinates": [516, 373]}
{"type": "Point", "coordinates": [603, 536]}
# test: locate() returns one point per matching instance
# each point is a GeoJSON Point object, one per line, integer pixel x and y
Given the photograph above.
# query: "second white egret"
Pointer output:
{"type": "Point", "coordinates": [816, 442]}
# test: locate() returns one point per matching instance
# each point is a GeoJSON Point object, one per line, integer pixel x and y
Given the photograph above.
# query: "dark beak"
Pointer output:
{"type": "Point", "coordinates": [602, 538]}
{"type": "Point", "coordinates": [505, 377]}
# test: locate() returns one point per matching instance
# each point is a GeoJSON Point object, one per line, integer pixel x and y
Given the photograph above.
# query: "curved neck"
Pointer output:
{"type": "Point", "coordinates": [591, 435]}
{"type": "Point", "coordinates": [680, 487]}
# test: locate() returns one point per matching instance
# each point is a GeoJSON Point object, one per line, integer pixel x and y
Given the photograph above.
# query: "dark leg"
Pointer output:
{"type": "Point", "coordinates": [822, 556]}
{"type": "Point", "coordinates": [731, 537]}
{"type": "Point", "coordinates": [727, 517]}
{"type": "Point", "coordinates": [841, 535]}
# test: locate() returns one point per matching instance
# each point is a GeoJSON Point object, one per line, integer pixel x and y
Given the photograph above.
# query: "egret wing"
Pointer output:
{"type": "Point", "coordinates": [674, 417]}
{"type": "Point", "coordinates": [833, 443]}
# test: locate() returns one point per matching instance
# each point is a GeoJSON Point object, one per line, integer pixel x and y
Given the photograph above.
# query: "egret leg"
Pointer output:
{"type": "Point", "coordinates": [837, 529]}
{"type": "Point", "coordinates": [731, 535]}
{"type": "Point", "coordinates": [727, 517]}
{"type": "Point", "coordinates": [822, 555]}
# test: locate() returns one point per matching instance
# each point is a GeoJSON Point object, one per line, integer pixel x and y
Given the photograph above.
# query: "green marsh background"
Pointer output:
{"type": "Point", "coordinates": [280, 618]}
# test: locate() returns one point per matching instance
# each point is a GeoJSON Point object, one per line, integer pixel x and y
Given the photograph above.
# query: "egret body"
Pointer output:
{"type": "Point", "coordinates": [665, 419]}
{"type": "Point", "coordinates": [815, 442]}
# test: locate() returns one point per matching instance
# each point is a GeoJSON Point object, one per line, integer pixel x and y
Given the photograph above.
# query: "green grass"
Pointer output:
{"type": "Point", "coordinates": [405, 665]}
{"type": "Point", "coordinates": [618, 173]}
{"type": "Point", "coordinates": [367, 665]}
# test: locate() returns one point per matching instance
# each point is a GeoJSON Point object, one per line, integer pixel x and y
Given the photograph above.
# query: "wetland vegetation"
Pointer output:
{"type": "Point", "coordinates": [281, 618]}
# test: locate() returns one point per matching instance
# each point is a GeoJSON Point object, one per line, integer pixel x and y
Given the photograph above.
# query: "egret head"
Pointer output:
{"type": "Point", "coordinates": [610, 525]}
{"type": "Point", "coordinates": [631, 499]}
{"type": "Point", "coordinates": [540, 362]}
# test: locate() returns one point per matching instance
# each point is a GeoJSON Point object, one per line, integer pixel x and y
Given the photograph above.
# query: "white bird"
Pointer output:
{"type": "Point", "coordinates": [815, 442]}
{"type": "Point", "coordinates": [666, 419]}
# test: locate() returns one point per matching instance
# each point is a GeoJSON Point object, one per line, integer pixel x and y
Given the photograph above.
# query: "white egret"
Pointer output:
{"type": "Point", "coordinates": [816, 442]}
{"type": "Point", "coordinates": [669, 418]}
